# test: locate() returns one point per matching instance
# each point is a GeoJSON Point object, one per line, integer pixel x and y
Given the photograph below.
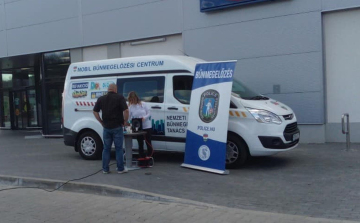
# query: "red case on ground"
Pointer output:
{"type": "Point", "coordinates": [145, 162]}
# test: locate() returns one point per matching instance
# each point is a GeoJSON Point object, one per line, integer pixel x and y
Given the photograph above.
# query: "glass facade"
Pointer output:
{"type": "Point", "coordinates": [32, 110]}
{"type": "Point", "coordinates": [6, 80]}
{"type": "Point", "coordinates": [5, 107]}
{"type": "Point", "coordinates": [18, 92]}
{"type": "Point", "coordinates": [30, 96]}
{"type": "Point", "coordinates": [55, 68]}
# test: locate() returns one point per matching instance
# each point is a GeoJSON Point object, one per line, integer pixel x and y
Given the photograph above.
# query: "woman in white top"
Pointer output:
{"type": "Point", "coordinates": [139, 109]}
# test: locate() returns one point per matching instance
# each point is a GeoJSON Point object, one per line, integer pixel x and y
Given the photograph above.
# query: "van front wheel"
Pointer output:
{"type": "Point", "coordinates": [236, 151]}
{"type": "Point", "coordinates": [89, 146]}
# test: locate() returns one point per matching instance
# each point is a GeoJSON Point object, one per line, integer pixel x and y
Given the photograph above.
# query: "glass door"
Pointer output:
{"type": "Point", "coordinates": [32, 109]}
{"type": "Point", "coordinates": [53, 108]}
{"type": "Point", "coordinates": [5, 114]}
{"type": "Point", "coordinates": [19, 109]}
{"type": "Point", "coordinates": [24, 111]}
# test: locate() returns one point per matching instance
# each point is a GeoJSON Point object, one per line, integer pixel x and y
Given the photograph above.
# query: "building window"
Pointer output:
{"type": "Point", "coordinates": [55, 65]}
{"type": "Point", "coordinates": [7, 80]}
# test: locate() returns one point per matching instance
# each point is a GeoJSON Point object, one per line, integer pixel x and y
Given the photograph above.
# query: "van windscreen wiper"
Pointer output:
{"type": "Point", "coordinates": [259, 97]}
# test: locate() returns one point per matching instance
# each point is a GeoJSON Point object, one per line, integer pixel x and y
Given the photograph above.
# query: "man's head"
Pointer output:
{"type": "Point", "coordinates": [112, 88]}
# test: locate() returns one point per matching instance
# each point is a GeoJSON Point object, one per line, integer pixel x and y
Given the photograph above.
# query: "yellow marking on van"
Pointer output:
{"type": "Point", "coordinates": [244, 114]}
{"type": "Point", "coordinates": [237, 114]}
{"type": "Point", "coordinates": [231, 114]}
{"type": "Point", "coordinates": [185, 110]}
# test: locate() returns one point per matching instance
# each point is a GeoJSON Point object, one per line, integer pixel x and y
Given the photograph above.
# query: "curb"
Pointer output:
{"type": "Point", "coordinates": [97, 189]}
{"type": "Point", "coordinates": [115, 191]}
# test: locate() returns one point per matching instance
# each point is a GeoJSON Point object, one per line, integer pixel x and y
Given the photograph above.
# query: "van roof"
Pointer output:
{"type": "Point", "coordinates": [129, 65]}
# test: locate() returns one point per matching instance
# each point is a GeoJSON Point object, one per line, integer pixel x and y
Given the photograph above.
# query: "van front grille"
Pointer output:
{"type": "Point", "coordinates": [290, 128]}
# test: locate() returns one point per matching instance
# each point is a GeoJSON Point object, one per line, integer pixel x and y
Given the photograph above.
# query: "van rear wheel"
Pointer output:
{"type": "Point", "coordinates": [237, 151]}
{"type": "Point", "coordinates": [90, 145]}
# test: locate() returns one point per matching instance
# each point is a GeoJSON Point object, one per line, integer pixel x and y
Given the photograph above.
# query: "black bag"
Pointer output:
{"type": "Point", "coordinates": [136, 124]}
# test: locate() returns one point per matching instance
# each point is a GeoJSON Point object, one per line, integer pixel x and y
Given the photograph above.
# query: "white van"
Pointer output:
{"type": "Point", "coordinates": [258, 125]}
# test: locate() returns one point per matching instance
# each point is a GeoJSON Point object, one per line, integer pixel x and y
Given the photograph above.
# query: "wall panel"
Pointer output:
{"type": "Point", "coordinates": [96, 6]}
{"type": "Point", "coordinates": [172, 46]}
{"type": "Point", "coordinates": [342, 51]}
{"type": "Point", "coordinates": [95, 53]}
{"type": "Point", "coordinates": [2, 17]}
{"type": "Point", "coordinates": [336, 4]}
{"type": "Point", "coordinates": [308, 106]}
{"type": "Point", "coordinates": [194, 19]}
{"type": "Point", "coordinates": [295, 73]}
{"type": "Point", "coordinates": [269, 37]}
{"type": "Point", "coordinates": [58, 35]}
{"type": "Point", "coordinates": [3, 48]}
{"type": "Point", "coordinates": [31, 12]}
{"type": "Point", "coordinates": [144, 21]}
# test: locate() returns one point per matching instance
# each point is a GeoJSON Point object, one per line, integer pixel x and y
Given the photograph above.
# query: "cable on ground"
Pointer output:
{"type": "Point", "coordinates": [14, 188]}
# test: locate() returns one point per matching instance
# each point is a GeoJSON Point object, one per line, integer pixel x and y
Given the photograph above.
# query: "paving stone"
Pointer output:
{"type": "Point", "coordinates": [318, 180]}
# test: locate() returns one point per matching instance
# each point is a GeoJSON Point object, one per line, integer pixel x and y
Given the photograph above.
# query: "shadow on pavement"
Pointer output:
{"type": "Point", "coordinates": [254, 163]}
{"type": "Point", "coordinates": [260, 163]}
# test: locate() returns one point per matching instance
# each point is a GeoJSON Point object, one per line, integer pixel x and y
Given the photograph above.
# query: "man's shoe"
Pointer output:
{"type": "Point", "coordinates": [106, 172]}
{"type": "Point", "coordinates": [124, 171]}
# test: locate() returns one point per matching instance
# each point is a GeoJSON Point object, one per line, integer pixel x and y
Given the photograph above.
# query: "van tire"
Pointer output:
{"type": "Point", "coordinates": [89, 145]}
{"type": "Point", "coordinates": [237, 152]}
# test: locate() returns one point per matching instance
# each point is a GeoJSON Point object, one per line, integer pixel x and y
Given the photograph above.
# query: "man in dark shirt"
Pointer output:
{"type": "Point", "coordinates": [114, 115]}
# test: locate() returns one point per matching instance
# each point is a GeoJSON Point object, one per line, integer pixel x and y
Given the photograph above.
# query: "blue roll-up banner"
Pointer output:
{"type": "Point", "coordinates": [206, 134]}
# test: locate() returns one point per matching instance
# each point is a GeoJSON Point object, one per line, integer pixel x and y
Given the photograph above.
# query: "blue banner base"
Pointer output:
{"type": "Point", "coordinates": [223, 172]}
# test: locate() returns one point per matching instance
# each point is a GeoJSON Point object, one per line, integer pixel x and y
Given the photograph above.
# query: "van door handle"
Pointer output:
{"type": "Point", "coordinates": [156, 107]}
{"type": "Point", "coordinates": [173, 108]}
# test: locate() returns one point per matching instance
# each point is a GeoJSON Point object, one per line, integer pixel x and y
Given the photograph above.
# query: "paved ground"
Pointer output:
{"type": "Point", "coordinates": [33, 206]}
{"type": "Point", "coordinates": [313, 180]}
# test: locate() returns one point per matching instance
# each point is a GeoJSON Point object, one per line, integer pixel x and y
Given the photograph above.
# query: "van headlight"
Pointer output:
{"type": "Point", "coordinates": [264, 116]}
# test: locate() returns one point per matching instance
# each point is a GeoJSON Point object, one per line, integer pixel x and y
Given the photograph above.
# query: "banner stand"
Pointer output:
{"type": "Point", "coordinates": [222, 172]}
{"type": "Point", "coordinates": [206, 134]}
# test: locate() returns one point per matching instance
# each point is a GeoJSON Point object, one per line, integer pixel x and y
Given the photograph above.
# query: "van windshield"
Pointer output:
{"type": "Point", "coordinates": [244, 92]}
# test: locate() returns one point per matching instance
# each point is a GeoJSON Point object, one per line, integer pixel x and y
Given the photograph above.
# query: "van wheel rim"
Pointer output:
{"type": "Point", "coordinates": [232, 152]}
{"type": "Point", "coordinates": [88, 146]}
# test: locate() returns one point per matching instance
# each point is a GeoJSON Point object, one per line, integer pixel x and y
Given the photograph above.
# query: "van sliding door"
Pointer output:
{"type": "Point", "coordinates": [177, 110]}
{"type": "Point", "coordinates": [150, 89]}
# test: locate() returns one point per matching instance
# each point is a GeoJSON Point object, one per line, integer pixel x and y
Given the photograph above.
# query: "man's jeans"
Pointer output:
{"type": "Point", "coordinates": [115, 135]}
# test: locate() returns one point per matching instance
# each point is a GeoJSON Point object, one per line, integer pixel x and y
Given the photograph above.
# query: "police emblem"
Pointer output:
{"type": "Point", "coordinates": [204, 153]}
{"type": "Point", "coordinates": [209, 104]}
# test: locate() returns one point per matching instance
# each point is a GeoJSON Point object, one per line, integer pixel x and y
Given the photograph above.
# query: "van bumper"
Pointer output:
{"type": "Point", "coordinates": [273, 142]}
{"type": "Point", "coordinates": [69, 137]}
{"type": "Point", "coordinates": [276, 143]}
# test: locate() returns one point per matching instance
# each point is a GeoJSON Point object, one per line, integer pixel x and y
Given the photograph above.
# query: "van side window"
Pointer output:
{"type": "Point", "coordinates": [149, 89]}
{"type": "Point", "coordinates": [182, 86]}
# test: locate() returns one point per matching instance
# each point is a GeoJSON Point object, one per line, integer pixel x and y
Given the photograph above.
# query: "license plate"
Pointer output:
{"type": "Point", "coordinates": [296, 136]}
